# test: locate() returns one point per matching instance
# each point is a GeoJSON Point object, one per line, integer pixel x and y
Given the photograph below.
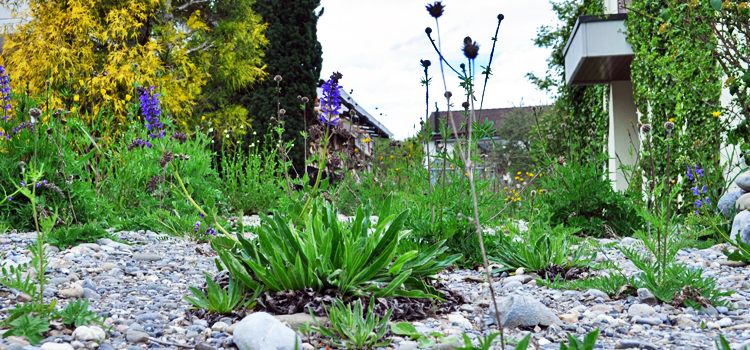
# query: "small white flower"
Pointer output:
{"type": "Point", "coordinates": [242, 126]}
{"type": "Point", "coordinates": [212, 141]}
{"type": "Point", "coordinates": [255, 133]}
{"type": "Point", "coordinates": [227, 136]}
{"type": "Point", "coordinates": [210, 129]}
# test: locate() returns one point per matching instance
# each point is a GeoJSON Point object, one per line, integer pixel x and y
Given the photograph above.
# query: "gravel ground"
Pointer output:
{"type": "Point", "coordinates": [140, 288]}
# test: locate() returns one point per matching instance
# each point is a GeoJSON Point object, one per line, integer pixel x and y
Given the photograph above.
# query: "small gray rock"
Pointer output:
{"type": "Point", "coordinates": [136, 337]}
{"type": "Point", "coordinates": [261, 331]}
{"type": "Point", "coordinates": [146, 257]}
{"type": "Point", "coordinates": [407, 345]}
{"type": "Point", "coordinates": [90, 294]}
{"type": "Point", "coordinates": [640, 310]}
{"type": "Point", "coordinates": [512, 285]}
{"type": "Point", "coordinates": [204, 346]}
{"type": "Point", "coordinates": [646, 297]}
{"type": "Point", "coordinates": [300, 319]}
{"type": "Point", "coordinates": [628, 344]}
{"type": "Point", "coordinates": [14, 346]}
{"type": "Point", "coordinates": [648, 320]}
{"type": "Point", "coordinates": [524, 310]}
{"type": "Point", "coordinates": [739, 223]}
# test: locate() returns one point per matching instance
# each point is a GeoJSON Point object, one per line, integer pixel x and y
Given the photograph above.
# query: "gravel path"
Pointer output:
{"type": "Point", "coordinates": [140, 288]}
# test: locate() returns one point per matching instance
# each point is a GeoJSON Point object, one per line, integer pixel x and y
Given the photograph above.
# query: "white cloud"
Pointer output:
{"type": "Point", "coordinates": [377, 46]}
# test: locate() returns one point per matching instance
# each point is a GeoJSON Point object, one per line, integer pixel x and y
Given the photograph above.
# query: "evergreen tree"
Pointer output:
{"type": "Point", "coordinates": [295, 54]}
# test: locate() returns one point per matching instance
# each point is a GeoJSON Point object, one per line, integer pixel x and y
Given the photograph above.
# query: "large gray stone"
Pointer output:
{"type": "Point", "coordinates": [727, 201]}
{"type": "Point", "coordinates": [740, 223]}
{"type": "Point", "coordinates": [524, 310]}
{"type": "Point", "coordinates": [743, 181]}
{"type": "Point", "coordinates": [301, 319]}
{"type": "Point", "coordinates": [743, 202]}
{"type": "Point", "coordinates": [261, 331]}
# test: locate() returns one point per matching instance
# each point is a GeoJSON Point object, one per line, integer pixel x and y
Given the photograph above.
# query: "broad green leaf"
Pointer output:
{"type": "Point", "coordinates": [716, 4]}
{"type": "Point", "coordinates": [404, 328]}
{"type": "Point", "coordinates": [524, 343]}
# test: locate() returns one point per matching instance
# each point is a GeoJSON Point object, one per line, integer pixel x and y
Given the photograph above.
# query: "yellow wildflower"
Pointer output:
{"type": "Point", "coordinates": [671, 120]}
{"type": "Point", "coordinates": [398, 169]}
{"type": "Point", "coordinates": [381, 157]}
{"type": "Point", "coordinates": [519, 173]}
{"type": "Point", "coordinates": [716, 114]}
{"type": "Point", "coordinates": [128, 97]}
{"type": "Point", "coordinates": [80, 82]}
{"type": "Point", "coordinates": [743, 5]}
{"type": "Point", "coordinates": [104, 92]}
{"type": "Point", "coordinates": [391, 156]}
{"type": "Point", "coordinates": [75, 98]}
{"type": "Point", "coordinates": [73, 109]}
{"type": "Point", "coordinates": [356, 150]}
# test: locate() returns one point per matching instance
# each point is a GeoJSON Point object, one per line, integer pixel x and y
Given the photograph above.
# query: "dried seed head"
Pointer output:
{"type": "Point", "coordinates": [500, 17]}
{"type": "Point", "coordinates": [533, 193]}
{"type": "Point", "coordinates": [21, 164]}
{"type": "Point", "coordinates": [282, 111]}
{"type": "Point", "coordinates": [561, 160]}
{"type": "Point", "coordinates": [305, 100]}
{"type": "Point", "coordinates": [591, 132]}
{"type": "Point", "coordinates": [651, 184]}
{"type": "Point", "coordinates": [436, 9]}
{"type": "Point", "coordinates": [669, 126]}
{"type": "Point", "coordinates": [646, 128]}
{"type": "Point", "coordinates": [575, 123]}
{"type": "Point", "coordinates": [63, 121]}
{"type": "Point", "coordinates": [49, 131]}
{"type": "Point", "coordinates": [105, 73]}
{"type": "Point", "coordinates": [273, 119]}
{"type": "Point", "coordinates": [465, 104]}
{"type": "Point", "coordinates": [462, 65]}
{"type": "Point", "coordinates": [567, 117]}
{"type": "Point", "coordinates": [593, 124]}
{"type": "Point", "coordinates": [166, 158]}
{"type": "Point", "coordinates": [425, 63]}
{"type": "Point", "coordinates": [544, 191]}
{"type": "Point", "coordinates": [563, 125]}
{"type": "Point", "coordinates": [428, 30]}
{"type": "Point", "coordinates": [448, 94]}
{"type": "Point", "coordinates": [550, 137]}
{"type": "Point", "coordinates": [35, 112]}
{"type": "Point", "coordinates": [277, 78]}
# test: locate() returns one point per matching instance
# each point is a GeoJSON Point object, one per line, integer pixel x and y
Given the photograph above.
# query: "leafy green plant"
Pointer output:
{"type": "Point", "coordinates": [218, 300]}
{"type": "Point", "coordinates": [582, 196]}
{"type": "Point", "coordinates": [540, 247]}
{"type": "Point", "coordinates": [31, 327]}
{"type": "Point", "coordinates": [609, 284]}
{"type": "Point", "coordinates": [485, 342]}
{"type": "Point", "coordinates": [589, 342]}
{"type": "Point", "coordinates": [354, 327]}
{"type": "Point", "coordinates": [71, 236]}
{"type": "Point", "coordinates": [722, 343]}
{"type": "Point", "coordinates": [357, 258]}
{"type": "Point", "coordinates": [78, 314]}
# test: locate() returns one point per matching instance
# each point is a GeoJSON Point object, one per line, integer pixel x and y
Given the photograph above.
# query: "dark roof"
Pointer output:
{"type": "Point", "coordinates": [496, 115]}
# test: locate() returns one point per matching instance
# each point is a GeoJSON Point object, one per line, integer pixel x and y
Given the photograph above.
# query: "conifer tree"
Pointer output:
{"type": "Point", "coordinates": [294, 53]}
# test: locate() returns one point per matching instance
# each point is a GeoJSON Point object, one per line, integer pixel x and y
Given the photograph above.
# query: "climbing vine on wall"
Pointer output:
{"type": "Point", "coordinates": [676, 77]}
{"type": "Point", "coordinates": [583, 109]}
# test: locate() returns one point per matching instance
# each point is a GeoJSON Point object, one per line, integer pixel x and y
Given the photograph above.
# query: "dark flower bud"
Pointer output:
{"type": "Point", "coordinates": [465, 104]}
{"type": "Point", "coordinates": [299, 97]}
{"type": "Point", "coordinates": [49, 131]}
{"type": "Point", "coordinates": [500, 17]}
{"type": "Point", "coordinates": [305, 100]}
{"type": "Point", "coordinates": [533, 193]}
{"type": "Point", "coordinates": [651, 184]}
{"type": "Point", "coordinates": [467, 40]}
{"type": "Point", "coordinates": [95, 73]}
{"type": "Point", "coordinates": [544, 191]}
{"type": "Point", "coordinates": [448, 94]}
{"type": "Point", "coordinates": [273, 119]}
{"type": "Point", "coordinates": [593, 124]}
{"type": "Point", "coordinates": [575, 123]}
{"type": "Point", "coordinates": [462, 65]}
{"type": "Point", "coordinates": [646, 128]}
{"type": "Point", "coordinates": [436, 9]}
{"type": "Point", "coordinates": [425, 63]}
{"type": "Point", "coordinates": [669, 126]}
{"type": "Point", "coordinates": [567, 117]}
{"type": "Point", "coordinates": [105, 73]}
{"type": "Point", "coordinates": [63, 122]}
{"type": "Point", "coordinates": [428, 30]}
{"type": "Point", "coordinates": [563, 125]}
{"type": "Point", "coordinates": [561, 160]}
{"type": "Point", "coordinates": [591, 132]}
{"type": "Point", "coordinates": [282, 111]}
{"type": "Point", "coordinates": [47, 82]}
{"type": "Point", "coordinates": [35, 112]}
{"type": "Point", "coordinates": [70, 74]}
{"type": "Point", "coordinates": [21, 164]}
{"type": "Point", "coordinates": [277, 78]}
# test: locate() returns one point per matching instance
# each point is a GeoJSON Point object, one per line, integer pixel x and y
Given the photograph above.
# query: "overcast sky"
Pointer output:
{"type": "Point", "coordinates": [377, 46]}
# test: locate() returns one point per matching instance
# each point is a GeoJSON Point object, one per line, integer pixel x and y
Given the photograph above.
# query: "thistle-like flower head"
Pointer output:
{"type": "Point", "coordinates": [436, 9]}
{"type": "Point", "coordinates": [646, 128]}
{"type": "Point", "coordinates": [471, 49]}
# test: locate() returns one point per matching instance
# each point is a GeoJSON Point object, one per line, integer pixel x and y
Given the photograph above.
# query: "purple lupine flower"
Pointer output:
{"type": "Point", "coordinates": [202, 215]}
{"type": "Point", "coordinates": [707, 201]}
{"type": "Point", "coordinates": [150, 105]}
{"type": "Point", "coordinates": [704, 189]}
{"type": "Point", "coordinates": [698, 171]}
{"type": "Point", "coordinates": [330, 102]}
{"type": "Point", "coordinates": [10, 198]}
{"type": "Point", "coordinates": [23, 184]}
{"type": "Point", "coordinates": [690, 173]}
{"type": "Point", "coordinates": [210, 231]}
{"type": "Point", "coordinates": [197, 225]}
{"type": "Point", "coordinates": [698, 203]}
{"type": "Point", "coordinates": [696, 191]}
{"type": "Point", "coordinates": [4, 90]}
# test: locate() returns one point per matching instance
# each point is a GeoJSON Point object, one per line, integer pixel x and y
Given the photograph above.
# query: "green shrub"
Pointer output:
{"type": "Point", "coordinates": [582, 196]}
{"type": "Point", "coordinates": [354, 327]}
{"type": "Point", "coordinates": [64, 237]}
{"type": "Point", "coordinates": [357, 258]}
